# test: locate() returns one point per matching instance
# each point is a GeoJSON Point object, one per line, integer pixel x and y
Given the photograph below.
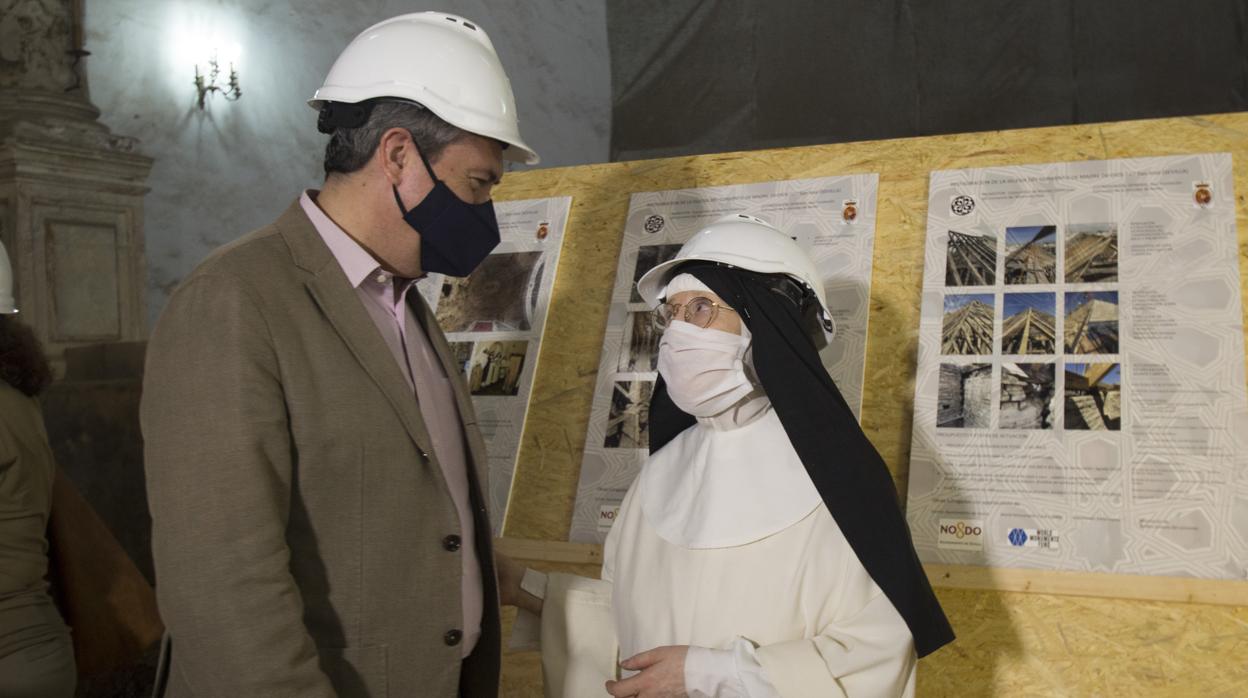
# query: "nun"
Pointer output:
{"type": "Point", "coordinates": [761, 551]}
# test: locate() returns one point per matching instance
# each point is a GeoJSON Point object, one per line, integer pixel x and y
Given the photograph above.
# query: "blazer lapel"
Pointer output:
{"type": "Point", "coordinates": [332, 291]}
{"type": "Point", "coordinates": [342, 307]}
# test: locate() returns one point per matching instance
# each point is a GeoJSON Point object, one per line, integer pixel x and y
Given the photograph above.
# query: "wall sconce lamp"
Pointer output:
{"type": "Point", "coordinates": [207, 84]}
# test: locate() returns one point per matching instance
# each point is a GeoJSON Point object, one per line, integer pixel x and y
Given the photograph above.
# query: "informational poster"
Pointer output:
{"type": "Point", "coordinates": [1080, 400]}
{"type": "Point", "coordinates": [493, 320]}
{"type": "Point", "coordinates": [833, 218]}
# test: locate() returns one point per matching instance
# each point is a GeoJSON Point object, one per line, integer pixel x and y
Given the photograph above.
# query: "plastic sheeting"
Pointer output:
{"type": "Point", "coordinates": [701, 76]}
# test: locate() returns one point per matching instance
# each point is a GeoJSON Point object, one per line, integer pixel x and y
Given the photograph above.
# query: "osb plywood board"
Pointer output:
{"type": "Point", "coordinates": [1010, 644]}
{"type": "Point", "coordinates": [1014, 644]}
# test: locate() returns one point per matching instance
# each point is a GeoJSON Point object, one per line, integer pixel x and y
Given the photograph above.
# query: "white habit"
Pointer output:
{"type": "Point", "coordinates": [723, 543]}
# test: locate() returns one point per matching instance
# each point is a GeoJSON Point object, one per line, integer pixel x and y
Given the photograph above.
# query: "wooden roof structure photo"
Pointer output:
{"type": "Point", "coordinates": [1093, 397]}
{"type": "Point", "coordinates": [1092, 324]}
{"type": "Point", "coordinates": [1031, 255]}
{"type": "Point", "coordinates": [1092, 253]}
{"type": "Point", "coordinates": [967, 327]}
{"type": "Point", "coordinates": [971, 260]}
{"type": "Point", "coordinates": [1029, 326]}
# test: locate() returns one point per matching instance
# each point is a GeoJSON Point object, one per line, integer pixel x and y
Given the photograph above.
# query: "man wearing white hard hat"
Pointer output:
{"type": "Point", "coordinates": [761, 552]}
{"type": "Point", "coordinates": [314, 469]}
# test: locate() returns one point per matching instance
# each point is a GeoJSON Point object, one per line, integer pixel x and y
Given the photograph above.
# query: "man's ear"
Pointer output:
{"type": "Point", "coordinates": [395, 153]}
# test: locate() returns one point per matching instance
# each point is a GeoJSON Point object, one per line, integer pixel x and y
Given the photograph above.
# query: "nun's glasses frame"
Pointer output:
{"type": "Point", "coordinates": [700, 311]}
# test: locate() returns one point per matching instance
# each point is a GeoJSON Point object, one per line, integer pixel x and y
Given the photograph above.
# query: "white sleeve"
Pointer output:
{"type": "Point", "coordinates": [729, 673]}
{"type": "Point", "coordinates": [580, 652]}
{"type": "Point", "coordinates": [868, 654]}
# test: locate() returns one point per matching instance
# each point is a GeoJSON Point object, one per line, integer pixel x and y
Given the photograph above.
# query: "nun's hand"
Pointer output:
{"type": "Point", "coordinates": [662, 674]}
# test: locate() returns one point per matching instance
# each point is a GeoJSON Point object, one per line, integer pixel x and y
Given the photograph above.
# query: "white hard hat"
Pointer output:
{"type": "Point", "coordinates": [8, 305]}
{"type": "Point", "coordinates": [443, 62]}
{"type": "Point", "coordinates": [744, 242]}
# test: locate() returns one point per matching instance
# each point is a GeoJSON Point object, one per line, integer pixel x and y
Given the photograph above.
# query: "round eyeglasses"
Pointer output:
{"type": "Point", "coordinates": [700, 311]}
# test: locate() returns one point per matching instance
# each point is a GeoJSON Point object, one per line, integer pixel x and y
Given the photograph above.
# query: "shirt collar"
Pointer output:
{"type": "Point", "coordinates": [356, 262]}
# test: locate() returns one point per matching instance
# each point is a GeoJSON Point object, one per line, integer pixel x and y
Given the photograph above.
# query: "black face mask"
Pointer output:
{"type": "Point", "coordinates": [455, 236]}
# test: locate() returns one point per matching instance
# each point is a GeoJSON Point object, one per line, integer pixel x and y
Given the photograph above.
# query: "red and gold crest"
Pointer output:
{"type": "Point", "coordinates": [1203, 194]}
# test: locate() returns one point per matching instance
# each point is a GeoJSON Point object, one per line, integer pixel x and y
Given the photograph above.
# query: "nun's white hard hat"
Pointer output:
{"type": "Point", "coordinates": [744, 242]}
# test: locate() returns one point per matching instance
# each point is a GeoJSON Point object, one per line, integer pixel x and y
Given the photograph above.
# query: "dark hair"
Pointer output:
{"type": "Point", "coordinates": [23, 364]}
{"type": "Point", "coordinates": [349, 149]}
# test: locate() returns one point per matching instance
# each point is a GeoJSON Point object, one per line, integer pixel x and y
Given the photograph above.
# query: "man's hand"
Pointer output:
{"type": "Point", "coordinates": [662, 674]}
{"type": "Point", "coordinates": [510, 574]}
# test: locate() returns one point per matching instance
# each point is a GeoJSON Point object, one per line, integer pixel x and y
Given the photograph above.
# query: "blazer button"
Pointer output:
{"type": "Point", "coordinates": [451, 543]}
{"type": "Point", "coordinates": [452, 637]}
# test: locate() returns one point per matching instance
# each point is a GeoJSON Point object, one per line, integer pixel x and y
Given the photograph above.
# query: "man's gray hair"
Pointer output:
{"type": "Point", "coordinates": [349, 149]}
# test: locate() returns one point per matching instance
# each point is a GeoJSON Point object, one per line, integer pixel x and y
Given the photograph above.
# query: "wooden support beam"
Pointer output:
{"type": "Point", "coordinates": [1140, 587]}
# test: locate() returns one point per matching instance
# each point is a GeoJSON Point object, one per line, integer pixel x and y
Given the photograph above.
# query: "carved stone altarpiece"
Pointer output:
{"type": "Point", "coordinates": [71, 193]}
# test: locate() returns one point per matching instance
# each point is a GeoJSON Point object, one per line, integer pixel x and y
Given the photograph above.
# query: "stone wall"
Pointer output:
{"type": "Point", "coordinates": [234, 166]}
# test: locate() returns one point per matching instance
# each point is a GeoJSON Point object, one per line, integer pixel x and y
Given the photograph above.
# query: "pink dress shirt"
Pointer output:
{"type": "Point", "coordinates": [384, 297]}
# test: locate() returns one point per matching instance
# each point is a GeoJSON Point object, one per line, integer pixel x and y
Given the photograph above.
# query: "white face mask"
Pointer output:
{"type": "Point", "coordinates": [704, 368]}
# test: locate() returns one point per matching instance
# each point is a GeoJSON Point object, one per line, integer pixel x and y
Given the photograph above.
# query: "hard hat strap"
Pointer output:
{"type": "Point", "coordinates": [336, 115]}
